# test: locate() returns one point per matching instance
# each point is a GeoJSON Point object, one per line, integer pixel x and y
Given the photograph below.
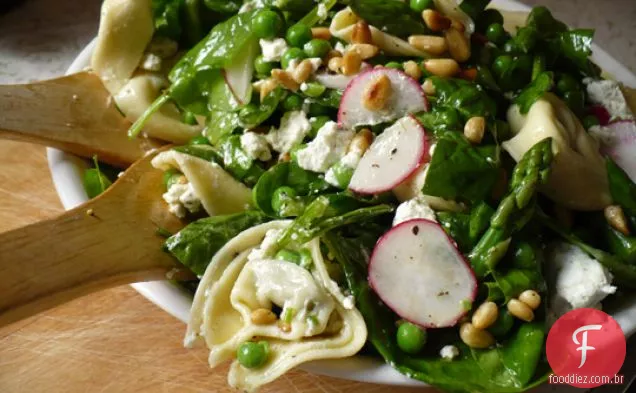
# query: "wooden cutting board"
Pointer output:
{"type": "Point", "coordinates": [114, 341]}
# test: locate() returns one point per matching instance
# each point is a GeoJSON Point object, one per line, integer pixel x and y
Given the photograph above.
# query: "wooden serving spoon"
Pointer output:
{"type": "Point", "coordinates": [74, 113]}
{"type": "Point", "coordinates": [108, 241]}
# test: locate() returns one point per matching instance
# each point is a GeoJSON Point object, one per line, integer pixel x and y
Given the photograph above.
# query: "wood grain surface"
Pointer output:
{"type": "Point", "coordinates": [113, 341]}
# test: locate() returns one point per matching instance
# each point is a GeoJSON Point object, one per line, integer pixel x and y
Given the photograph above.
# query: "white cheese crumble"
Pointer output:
{"type": "Point", "coordinates": [327, 148]}
{"type": "Point", "coordinates": [182, 198]}
{"type": "Point", "coordinates": [150, 62]}
{"type": "Point", "coordinates": [340, 47]}
{"type": "Point", "coordinates": [449, 352]}
{"type": "Point", "coordinates": [255, 145]}
{"type": "Point", "coordinates": [316, 62]}
{"type": "Point", "coordinates": [412, 209]}
{"type": "Point", "coordinates": [294, 126]}
{"type": "Point", "coordinates": [608, 94]}
{"type": "Point", "coordinates": [273, 49]}
{"type": "Point", "coordinates": [322, 11]}
{"type": "Point", "coordinates": [579, 281]}
{"type": "Point", "coordinates": [349, 303]}
{"type": "Point", "coordinates": [267, 247]}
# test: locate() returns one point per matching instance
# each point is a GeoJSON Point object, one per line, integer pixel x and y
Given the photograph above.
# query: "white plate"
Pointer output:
{"type": "Point", "coordinates": [66, 172]}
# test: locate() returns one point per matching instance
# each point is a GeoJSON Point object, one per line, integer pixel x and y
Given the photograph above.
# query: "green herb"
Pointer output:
{"type": "Point", "coordinates": [95, 181]}
{"type": "Point", "coordinates": [392, 16]}
{"type": "Point", "coordinates": [474, 8]}
{"type": "Point", "coordinates": [166, 18]}
{"type": "Point", "coordinates": [224, 6]}
{"type": "Point", "coordinates": [534, 91]}
{"type": "Point", "coordinates": [468, 98]}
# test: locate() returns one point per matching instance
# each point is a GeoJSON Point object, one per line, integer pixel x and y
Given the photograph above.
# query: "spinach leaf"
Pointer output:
{"type": "Point", "coordinates": [195, 245]}
{"type": "Point", "coordinates": [252, 116]}
{"type": "Point", "coordinates": [220, 124]}
{"type": "Point", "coordinates": [440, 119]}
{"type": "Point", "coordinates": [312, 18]}
{"type": "Point", "coordinates": [330, 98]}
{"type": "Point", "coordinates": [474, 8]}
{"type": "Point", "coordinates": [193, 30]}
{"type": "Point", "coordinates": [224, 6]}
{"type": "Point", "coordinates": [622, 188]}
{"type": "Point", "coordinates": [237, 162]}
{"type": "Point", "coordinates": [95, 181]}
{"type": "Point", "coordinates": [166, 15]}
{"type": "Point", "coordinates": [468, 98]}
{"type": "Point", "coordinates": [466, 228]}
{"type": "Point", "coordinates": [522, 269]}
{"type": "Point", "coordinates": [541, 19]}
{"type": "Point", "coordinates": [392, 16]}
{"type": "Point", "coordinates": [204, 152]}
{"type": "Point", "coordinates": [575, 46]}
{"type": "Point", "coordinates": [534, 91]}
{"type": "Point", "coordinates": [460, 171]}
{"type": "Point", "coordinates": [620, 245]}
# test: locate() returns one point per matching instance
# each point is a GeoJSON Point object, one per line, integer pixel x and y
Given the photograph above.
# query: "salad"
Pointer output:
{"type": "Point", "coordinates": [428, 182]}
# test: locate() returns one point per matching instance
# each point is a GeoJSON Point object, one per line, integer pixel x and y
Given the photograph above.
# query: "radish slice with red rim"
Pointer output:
{"type": "Point", "coordinates": [619, 142]}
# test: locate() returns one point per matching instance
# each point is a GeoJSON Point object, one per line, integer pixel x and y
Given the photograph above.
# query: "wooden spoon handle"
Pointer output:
{"type": "Point", "coordinates": [74, 113]}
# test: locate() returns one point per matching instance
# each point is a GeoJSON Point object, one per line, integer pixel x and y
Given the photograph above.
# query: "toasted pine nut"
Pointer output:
{"type": "Point", "coordinates": [531, 298]}
{"type": "Point", "coordinates": [303, 71]}
{"type": "Point", "coordinates": [475, 338]}
{"type": "Point", "coordinates": [429, 87]}
{"type": "Point", "coordinates": [457, 24]}
{"type": "Point", "coordinates": [266, 87]}
{"type": "Point", "coordinates": [474, 129]}
{"type": "Point", "coordinates": [321, 33]}
{"type": "Point", "coordinates": [285, 78]}
{"type": "Point", "coordinates": [361, 142]}
{"type": "Point", "coordinates": [520, 310]}
{"type": "Point", "coordinates": [442, 67]}
{"type": "Point", "coordinates": [285, 157]}
{"type": "Point", "coordinates": [332, 54]}
{"type": "Point", "coordinates": [262, 316]}
{"type": "Point", "coordinates": [366, 51]}
{"type": "Point", "coordinates": [412, 69]}
{"type": "Point", "coordinates": [351, 63]}
{"type": "Point", "coordinates": [335, 64]}
{"type": "Point", "coordinates": [616, 218]}
{"type": "Point", "coordinates": [470, 74]}
{"type": "Point", "coordinates": [284, 327]}
{"type": "Point", "coordinates": [485, 315]}
{"type": "Point", "coordinates": [361, 33]}
{"type": "Point", "coordinates": [182, 180]}
{"type": "Point", "coordinates": [429, 43]}
{"type": "Point", "coordinates": [377, 94]}
{"type": "Point", "coordinates": [435, 21]}
{"type": "Point", "coordinates": [458, 44]}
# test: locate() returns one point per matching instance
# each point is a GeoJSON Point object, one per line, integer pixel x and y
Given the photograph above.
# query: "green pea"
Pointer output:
{"type": "Point", "coordinates": [394, 65]}
{"type": "Point", "coordinates": [511, 46]}
{"type": "Point", "coordinates": [503, 324]}
{"type": "Point", "coordinates": [524, 255]}
{"type": "Point", "coordinates": [567, 83]}
{"type": "Point", "coordinates": [411, 338]}
{"type": "Point", "coordinates": [501, 65]}
{"type": "Point", "coordinates": [171, 177]}
{"type": "Point", "coordinates": [343, 174]}
{"type": "Point", "coordinates": [292, 102]}
{"type": "Point", "coordinates": [253, 355]}
{"type": "Point", "coordinates": [281, 195]}
{"type": "Point", "coordinates": [590, 121]}
{"type": "Point", "coordinates": [306, 260]}
{"type": "Point", "coordinates": [317, 48]}
{"type": "Point", "coordinates": [496, 33]}
{"type": "Point", "coordinates": [286, 203]}
{"type": "Point", "coordinates": [421, 5]}
{"type": "Point", "coordinates": [317, 123]}
{"type": "Point", "coordinates": [292, 54]}
{"type": "Point", "coordinates": [487, 18]}
{"type": "Point", "coordinates": [313, 89]}
{"type": "Point", "coordinates": [575, 100]}
{"type": "Point", "coordinates": [526, 39]}
{"type": "Point", "coordinates": [316, 109]}
{"type": "Point", "coordinates": [190, 119]}
{"type": "Point", "coordinates": [298, 35]}
{"type": "Point", "coordinates": [199, 140]}
{"type": "Point", "coordinates": [267, 24]}
{"type": "Point", "coordinates": [289, 256]}
{"type": "Point", "coordinates": [263, 67]}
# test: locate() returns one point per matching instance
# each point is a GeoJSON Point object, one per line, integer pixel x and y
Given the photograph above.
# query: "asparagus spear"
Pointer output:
{"type": "Point", "coordinates": [515, 209]}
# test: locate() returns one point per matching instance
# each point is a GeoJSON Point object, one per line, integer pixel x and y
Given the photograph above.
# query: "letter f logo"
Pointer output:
{"type": "Point", "coordinates": [583, 344]}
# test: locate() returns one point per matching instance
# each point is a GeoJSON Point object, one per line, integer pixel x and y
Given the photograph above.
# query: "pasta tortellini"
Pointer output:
{"type": "Point", "coordinates": [242, 278]}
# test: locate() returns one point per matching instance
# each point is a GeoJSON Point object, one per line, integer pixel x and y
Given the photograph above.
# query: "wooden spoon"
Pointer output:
{"type": "Point", "coordinates": [74, 113]}
{"type": "Point", "coordinates": [109, 241]}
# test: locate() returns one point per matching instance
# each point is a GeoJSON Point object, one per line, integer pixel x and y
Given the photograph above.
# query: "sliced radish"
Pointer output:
{"type": "Point", "coordinates": [619, 142]}
{"type": "Point", "coordinates": [418, 272]}
{"type": "Point", "coordinates": [407, 97]}
{"type": "Point", "coordinates": [392, 157]}
{"type": "Point", "coordinates": [337, 81]}
{"type": "Point", "coordinates": [239, 75]}
{"type": "Point", "coordinates": [601, 114]}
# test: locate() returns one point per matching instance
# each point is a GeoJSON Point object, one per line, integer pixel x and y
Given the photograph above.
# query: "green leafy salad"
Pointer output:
{"type": "Point", "coordinates": [428, 182]}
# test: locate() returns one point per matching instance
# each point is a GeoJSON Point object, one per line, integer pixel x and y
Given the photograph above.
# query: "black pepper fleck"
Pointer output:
{"type": "Point", "coordinates": [375, 165]}
{"type": "Point", "coordinates": [416, 230]}
{"type": "Point", "coordinates": [394, 151]}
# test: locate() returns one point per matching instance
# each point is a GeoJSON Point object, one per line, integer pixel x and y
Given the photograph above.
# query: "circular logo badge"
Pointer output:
{"type": "Point", "coordinates": [586, 348]}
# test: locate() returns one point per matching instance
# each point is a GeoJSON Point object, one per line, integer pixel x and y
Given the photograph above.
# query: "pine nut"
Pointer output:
{"type": "Point", "coordinates": [263, 316]}
{"type": "Point", "coordinates": [412, 69]}
{"type": "Point", "coordinates": [285, 157]}
{"type": "Point", "coordinates": [429, 87]}
{"type": "Point", "coordinates": [335, 64]}
{"type": "Point", "coordinates": [442, 67]}
{"type": "Point", "coordinates": [351, 63]}
{"type": "Point", "coordinates": [303, 71]}
{"type": "Point", "coordinates": [520, 310]}
{"type": "Point", "coordinates": [377, 94]}
{"type": "Point", "coordinates": [361, 33]}
{"type": "Point", "coordinates": [285, 78]}
{"type": "Point", "coordinates": [616, 218]}
{"type": "Point", "coordinates": [267, 87]}
{"type": "Point", "coordinates": [435, 20]}
{"type": "Point", "coordinates": [470, 74]}
{"type": "Point", "coordinates": [474, 129]}
{"type": "Point", "coordinates": [458, 44]}
{"type": "Point", "coordinates": [429, 43]}
{"type": "Point", "coordinates": [321, 33]}
{"type": "Point", "coordinates": [475, 338]}
{"type": "Point", "coordinates": [531, 298]}
{"type": "Point", "coordinates": [332, 54]}
{"type": "Point", "coordinates": [456, 24]}
{"type": "Point", "coordinates": [361, 141]}
{"type": "Point", "coordinates": [366, 51]}
{"type": "Point", "coordinates": [284, 327]}
{"type": "Point", "coordinates": [485, 315]}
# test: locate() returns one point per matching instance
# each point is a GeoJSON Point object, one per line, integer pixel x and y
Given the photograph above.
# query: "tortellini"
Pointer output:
{"type": "Point", "coordinates": [579, 178]}
{"type": "Point", "coordinates": [238, 281]}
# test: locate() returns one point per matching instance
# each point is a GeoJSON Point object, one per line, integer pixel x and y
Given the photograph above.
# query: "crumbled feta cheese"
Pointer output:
{"type": "Point", "coordinates": [326, 149]}
{"type": "Point", "coordinates": [340, 47]}
{"type": "Point", "coordinates": [163, 47]}
{"type": "Point", "coordinates": [412, 209]}
{"type": "Point", "coordinates": [316, 62]}
{"type": "Point", "coordinates": [579, 281]}
{"type": "Point", "coordinates": [150, 62]}
{"type": "Point", "coordinates": [267, 247]}
{"type": "Point", "coordinates": [182, 198]}
{"type": "Point", "coordinates": [449, 352]}
{"type": "Point", "coordinates": [255, 145]}
{"type": "Point", "coordinates": [322, 11]}
{"type": "Point", "coordinates": [608, 94]}
{"type": "Point", "coordinates": [349, 303]}
{"type": "Point", "coordinates": [273, 49]}
{"type": "Point", "coordinates": [294, 126]}
{"type": "Point", "coordinates": [304, 86]}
